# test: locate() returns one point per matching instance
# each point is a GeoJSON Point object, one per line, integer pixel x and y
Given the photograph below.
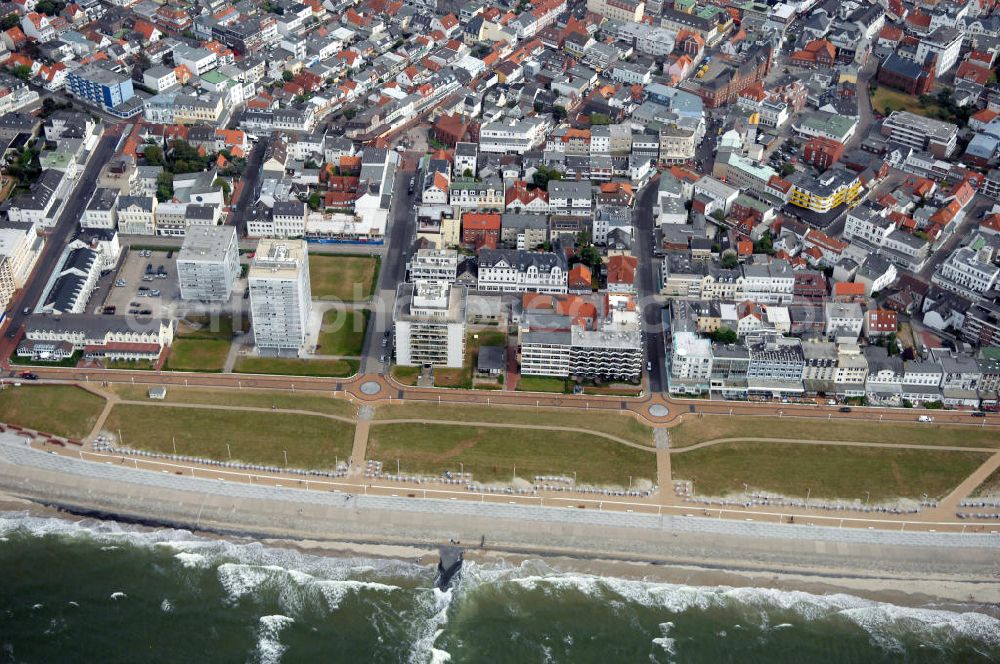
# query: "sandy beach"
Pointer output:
{"type": "Point", "coordinates": [947, 591]}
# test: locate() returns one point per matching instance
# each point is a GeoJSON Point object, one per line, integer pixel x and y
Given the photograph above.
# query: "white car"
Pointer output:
{"type": "Point", "coordinates": [925, 418]}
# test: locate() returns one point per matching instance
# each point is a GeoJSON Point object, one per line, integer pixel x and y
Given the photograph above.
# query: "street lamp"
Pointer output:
{"type": "Point", "coordinates": [462, 466]}
{"type": "Point", "coordinates": [286, 456]}
{"type": "Point", "coordinates": [230, 453]}
{"type": "Point", "coordinates": [397, 466]}
{"type": "Point", "coordinates": [868, 495]}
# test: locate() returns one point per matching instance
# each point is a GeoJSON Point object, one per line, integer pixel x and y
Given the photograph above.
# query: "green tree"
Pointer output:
{"type": "Point", "coordinates": [729, 261]}
{"type": "Point", "coordinates": [49, 7]}
{"type": "Point", "coordinates": [765, 245]}
{"type": "Point", "coordinates": [542, 176]}
{"type": "Point", "coordinates": [287, 76]}
{"type": "Point", "coordinates": [226, 189]}
{"type": "Point", "coordinates": [787, 169]}
{"type": "Point", "coordinates": [467, 173]}
{"type": "Point", "coordinates": [23, 72]}
{"type": "Point", "coordinates": [153, 155]}
{"type": "Point", "coordinates": [724, 335]}
{"type": "Point", "coordinates": [10, 21]}
{"type": "Point", "coordinates": [559, 112]}
{"type": "Point", "coordinates": [314, 201]}
{"type": "Point", "coordinates": [590, 255]}
{"type": "Point", "coordinates": [164, 186]}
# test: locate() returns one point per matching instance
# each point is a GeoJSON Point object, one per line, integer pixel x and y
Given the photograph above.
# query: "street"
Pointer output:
{"type": "Point", "coordinates": [58, 236]}
{"type": "Point", "coordinates": [398, 241]}
{"type": "Point", "coordinates": [646, 281]}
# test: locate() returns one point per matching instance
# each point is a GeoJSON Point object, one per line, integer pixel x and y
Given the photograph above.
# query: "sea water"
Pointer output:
{"type": "Point", "coordinates": [98, 591]}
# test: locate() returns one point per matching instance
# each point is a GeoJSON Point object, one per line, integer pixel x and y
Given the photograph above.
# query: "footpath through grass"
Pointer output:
{"type": "Point", "coordinates": [340, 277]}
{"type": "Point", "coordinates": [622, 426]}
{"type": "Point", "coordinates": [824, 471]}
{"type": "Point", "coordinates": [311, 441]}
{"type": "Point", "coordinates": [492, 454]}
{"type": "Point", "coordinates": [711, 427]}
{"type": "Point", "coordinates": [247, 398]}
{"type": "Point", "coordinates": [296, 367]}
{"type": "Point", "coordinates": [61, 410]}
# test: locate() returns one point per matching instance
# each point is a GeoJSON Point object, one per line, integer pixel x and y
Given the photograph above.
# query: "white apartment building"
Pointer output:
{"type": "Point", "coordinates": [20, 247]}
{"type": "Point", "coordinates": [920, 133]}
{"type": "Point", "coordinates": [720, 194]}
{"type": "Point", "coordinates": [865, 223]}
{"type": "Point", "coordinates": [964, 273]}
{"type": "Point", "coordinates": [570, 196]}
{"type": "Point", "coordinates": [844, 319]}
{"type": "Point", "coordinates": [513, 137]}
{"type": "Point", "coordinates": [429, 323]}
{"type": "Point", "coordinates": [437, 265]}
{"type": "Point", "coordinates": [514, 271]}
{"type": "Point", "coordinates": [618, 10]}
{"type": "Point", "coordinates": [690, 363]}
{"type": "Point", "coordinates": [769, 283]}
{"type": "Point", "coordinates": [280, 294]}
{"type": "Point", "coordinates": [208, 263]}
{"type": "Point", "coordinates": [137, 215]}
{"type": "Point", "coordinates": [101, 210]}
{"type": "Point", "coordinates": [944, 42]}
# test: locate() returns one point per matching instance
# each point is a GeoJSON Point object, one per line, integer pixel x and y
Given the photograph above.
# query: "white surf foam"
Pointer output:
{"type": "Point", "coordinates": [166, 606]}
{"type": "Point", "coordinates": [118, 595]}
{"type": "Point", "coordinates": [192, 560]}
{"type": "Point", "coordinates": [269, 646]}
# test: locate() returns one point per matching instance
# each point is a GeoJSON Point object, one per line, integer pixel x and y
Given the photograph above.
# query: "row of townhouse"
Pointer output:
{"type": "Point", "coordinates": [771, 282]}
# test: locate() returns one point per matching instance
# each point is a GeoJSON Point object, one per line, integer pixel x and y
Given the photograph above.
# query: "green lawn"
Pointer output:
{"type": "Point", "coordinates": [990, 486]}
{"type": "Point", "coordinates": [406, 375]}
{"type": "Point", "coordinates": [210, 327]}
{"type": "Point", "coordinates": [296, 367]}
{"type": "Point", "coordinates": [620, 425]}
{"type": "Point", "coordinates": [541, 384]}
{"type": "Point", "coordinates": [60, 410]}
{"type": "Point", "coordinates": [346, 278]}
{"type": "Point", "coordinates": [900, 101]}
{"type": "Point", "coordinates": [492, 454]}
{"type": "Point", "coordinates": [198, 354]}
{"type": "Point", "coordinates": [251, 398]}
{"type": "Point", "coordinates": [343, 332]}
{"type": "Point", "coordinates": [311, 442]}
{"type": "Point", "coordinates": [829, 471]}
{"type": "Point", "coordinates": [711, 427]}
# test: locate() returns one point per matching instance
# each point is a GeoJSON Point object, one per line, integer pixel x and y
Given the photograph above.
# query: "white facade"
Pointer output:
{"type": "Point", "coordinates": [208, 264]}
{"type": "Point", "coordinates": [280, 294]}
{"type": "Point", "coordinates": [429, 323]}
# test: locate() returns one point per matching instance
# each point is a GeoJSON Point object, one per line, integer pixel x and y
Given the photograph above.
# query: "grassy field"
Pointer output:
{"type": "Point", "coordinates": [622, 426]}
{"type": "Point", "coordinates": [343, 332]}
{"type": "Point", "coordinates": [828, 471]}
{"type": "Point", "coordinates": [900, 101]}
{"type": "Point", "coordinates": [247, 398]}
{"type": "Point", "coordinates": [296, 367]}
{"type": "Point", "coordinates": [198, 354]}
{"type": "Point", "coordinates": [721, 426]}
{"type": "Point", "coordinates": [406, 375]}
{"type": "Point", "coordinates": [459, 378]}
{"type": "Point", "coordinates": [346, 278]}
{"type": "Point", "coordinates": [55, 409]}
{"type": "Point", "coordinates": [492, 454]}
{"type": "Point", "coordinates": [202, 344]}
{"type": "Point", "coordinates": [541, 384]}
{"type": "Point", "coordinates": [990, 486]}
{"type": "Point", "coordinates": [311, 442]}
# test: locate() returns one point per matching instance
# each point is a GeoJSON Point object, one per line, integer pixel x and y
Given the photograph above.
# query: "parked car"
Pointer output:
{"type": "Point", "coordinates": [147, 277]}
{"type": "Point", "coordinates": [925, 418]}
{"type": "Point", "coordinates": [831, 402]}
{"type": "Point", "coordinates": [154, 293]}
{"type": "Point", "coordinates": [845, 409]}
{"type": "Point", "coordinates": [978, 413]}
{"type": "Point", "coordinates": [28, 375]}
{"type": "Point", "coordinates": [26, 311]}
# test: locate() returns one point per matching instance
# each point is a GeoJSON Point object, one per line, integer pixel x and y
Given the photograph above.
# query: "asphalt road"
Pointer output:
{"type": "Point", "coordinates": [251, 180]}
{"type": "Point", "coordinates": [646, 284]}
{"type": "Point", "coordinates": [398, 242]}
{"type": "Point", "coordinates": [63, 230]}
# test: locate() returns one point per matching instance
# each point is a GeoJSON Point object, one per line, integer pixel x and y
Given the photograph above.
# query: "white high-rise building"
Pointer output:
{"type": "Point", "coordinates": [208, 263]}
{"type": "Point", "coordinates": [429, 319]}
{"type": "Point", "coordinates": [280, 294]}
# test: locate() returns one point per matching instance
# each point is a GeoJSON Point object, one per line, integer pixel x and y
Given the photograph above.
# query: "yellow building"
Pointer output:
{"type": "Point", "coordinates": [838, 186]}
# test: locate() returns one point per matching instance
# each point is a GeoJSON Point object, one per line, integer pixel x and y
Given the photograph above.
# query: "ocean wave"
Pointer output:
{"type": "Point", "coordinates": [431, 618]}
{"type": "Point", "coordinates": [269, 646]}
{"type": "Point", "coordinates": [192, 560]}
{"type": "Point", "coordinates": [887, 625]}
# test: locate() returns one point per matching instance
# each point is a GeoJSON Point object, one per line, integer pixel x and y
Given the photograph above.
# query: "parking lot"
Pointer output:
{"type": "Point", "coordinates": [145, 285]}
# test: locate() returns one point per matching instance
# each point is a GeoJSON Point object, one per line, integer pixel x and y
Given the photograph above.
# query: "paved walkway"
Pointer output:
{"type": "Point", "coordinates": [841, 443]}
{"type": "Point", "coordinates": [949, 504]}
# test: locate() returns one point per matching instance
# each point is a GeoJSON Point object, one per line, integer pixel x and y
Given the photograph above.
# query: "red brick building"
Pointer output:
{"type": "Point", "coordinates": [822, 152]}
{"type": "Point", "coordinates": [726, 87]}
{"type": "Point", "coordinates": [817, 53]}
{"type": "Point", "coordinates": [907, 76]}
{"type": "Point", "coordinates": [480, 230]}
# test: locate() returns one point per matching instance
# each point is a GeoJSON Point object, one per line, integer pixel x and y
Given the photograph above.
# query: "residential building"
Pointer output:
{"type": "Point", "coordinates": [111, 91]}
{"type": "Point", "coordinates": [837, 186]}
{"type": "Point", "coordinates": [514, 271]}
{"type": "Point", "coordinates": [964, 273]}
{"type": "Point", "coordinates": [920, 133]}
{"type": "Point", "coordinates": [429, 323]}
{"type": "Point", "coordinates": [208, 264]}
{"type": "Point", "coordinates": [108, 337]}
{"type": "Point", "coordinates": [280, 295]}
{"type": "Point", "coordinates": [618, 10]}
{"type": "Point", "coordinates": [945, 43]}
{"type": "Point", "coordinates": [20, 246]}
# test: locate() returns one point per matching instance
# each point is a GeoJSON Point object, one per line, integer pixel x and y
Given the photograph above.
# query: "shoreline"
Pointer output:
{"type": "Point", "coordinates": [947, 592]}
